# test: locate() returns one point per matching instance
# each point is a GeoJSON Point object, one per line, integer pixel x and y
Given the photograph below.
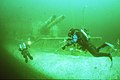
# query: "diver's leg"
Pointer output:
{"type": "Point", "coordinates": [104, 45]}
{"type": "Point", "coordinates": [30, 57]}
{"type": "Point", "coordinates": [103, 55]}
{"type": "Point", "coordinates": [26, 59]}
{"type": "Point", "coordinates": [95, 53]}
{"type": "Point", "coordinates": [28, 54]}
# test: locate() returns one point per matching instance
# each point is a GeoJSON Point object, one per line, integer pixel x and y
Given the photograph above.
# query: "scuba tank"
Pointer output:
{"type": "Point", "coordinates": [84, 35]}
{"type": "Point", "coordinates": [22, 46]}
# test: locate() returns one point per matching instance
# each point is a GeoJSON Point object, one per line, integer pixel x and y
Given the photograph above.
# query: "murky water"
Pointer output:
{"type": "Point", "coordinates": [50, 20]}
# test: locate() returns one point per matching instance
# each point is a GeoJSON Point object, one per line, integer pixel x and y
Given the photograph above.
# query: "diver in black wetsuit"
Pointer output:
{"type": "Point", "coordinates": [23, 47]}
{"type": "Point", "coordinates": [81, 37]}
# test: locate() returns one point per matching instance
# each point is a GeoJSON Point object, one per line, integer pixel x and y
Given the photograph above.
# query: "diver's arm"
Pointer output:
{"type": "Point", "coordinates": [69, 43]}
{"type": "Point", "coordinates": [66, 46]}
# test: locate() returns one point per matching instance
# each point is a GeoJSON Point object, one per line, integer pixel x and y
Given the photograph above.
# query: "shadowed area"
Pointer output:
{"type": "Point", "coordinates": [60, 65]}
{"type": "Point", "coordinates": [46, 24]}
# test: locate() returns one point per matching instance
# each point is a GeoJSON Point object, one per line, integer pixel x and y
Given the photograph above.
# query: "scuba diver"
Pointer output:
{"type": "Point", "coordinates": [82, 38]}
{"type": "Point", "coordinates": [23, 47]}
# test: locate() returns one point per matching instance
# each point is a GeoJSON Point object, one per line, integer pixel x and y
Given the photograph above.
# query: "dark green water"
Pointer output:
{"type": "Point", "coordinates": [20, 19]}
